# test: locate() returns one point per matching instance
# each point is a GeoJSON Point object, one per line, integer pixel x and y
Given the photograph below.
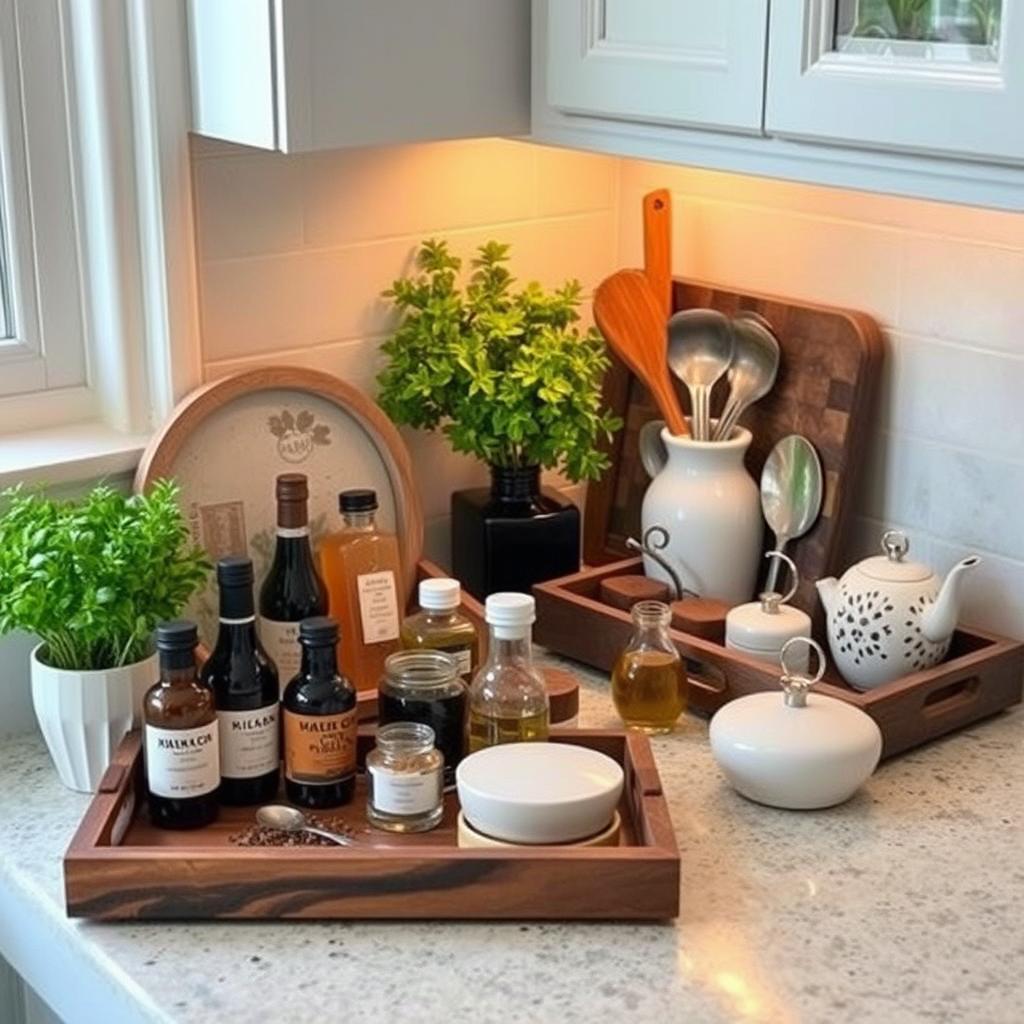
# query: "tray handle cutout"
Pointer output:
{"type": "Point", "coordinates": [951, 697]}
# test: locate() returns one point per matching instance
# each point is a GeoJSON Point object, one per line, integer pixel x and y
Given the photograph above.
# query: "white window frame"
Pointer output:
{"type": "Point", "coordinates": [124, 69]}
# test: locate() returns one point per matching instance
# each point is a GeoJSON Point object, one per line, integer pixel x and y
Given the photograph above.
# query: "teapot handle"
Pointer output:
{"type": "Point", "coordinates": [652, 449]}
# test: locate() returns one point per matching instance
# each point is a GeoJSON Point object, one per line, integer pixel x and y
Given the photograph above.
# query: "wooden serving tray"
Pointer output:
{"type": "Point", "coordinates": [983, 673]}
{"type": "Point", "coordinates": [829, 371]}
{"type": "Point", "coordinates": [120, 866]}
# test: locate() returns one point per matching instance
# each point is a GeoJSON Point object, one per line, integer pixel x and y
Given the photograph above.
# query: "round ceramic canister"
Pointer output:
{"type": "Point", "coordinates": [761, 628]}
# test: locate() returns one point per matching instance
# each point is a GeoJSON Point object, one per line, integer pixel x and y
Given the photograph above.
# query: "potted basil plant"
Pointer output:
{"type": "Point", "coordinates": [91, 579]}
{"type": "Point", "coordinates": [508, 376]}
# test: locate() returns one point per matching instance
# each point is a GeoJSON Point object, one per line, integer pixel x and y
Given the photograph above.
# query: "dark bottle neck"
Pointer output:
{"type": "Point", "coordinates": [515, 483]}
{"type": "Point", "coordinates": [236, 604]}
{"type": "Point", "coordinates": [292, 551]}
{"type": "Point", "coordinates": [177, 667]}
{"type": "Point", "coordinates": [292, 514]}
{"type": "Point", "coordinates": [320, 662]}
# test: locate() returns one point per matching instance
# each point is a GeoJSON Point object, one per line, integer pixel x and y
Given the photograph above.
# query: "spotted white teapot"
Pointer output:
{"type": "Point", "coordinates": [888, 617]}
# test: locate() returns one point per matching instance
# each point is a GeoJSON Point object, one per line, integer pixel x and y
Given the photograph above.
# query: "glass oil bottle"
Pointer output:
{"type": "Point", "coordinates": [648, 681]}
{"type": "Point", "coordinates": [508, 699]}
{"type": "Point", "coordinates": [439, 626]}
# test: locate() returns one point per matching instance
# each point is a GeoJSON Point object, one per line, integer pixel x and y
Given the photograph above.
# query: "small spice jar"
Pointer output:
{"type": "Point", "coordinates": [424, 686]}
{"type": "Point", "coordinates": [405, 776]}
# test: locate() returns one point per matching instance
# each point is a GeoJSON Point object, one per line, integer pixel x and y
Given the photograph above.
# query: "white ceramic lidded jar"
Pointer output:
{"type": "Point", "coordinates": [761, 628]}
{"type": "Point", "coordinates": [800, 752]}
{"type": "Point", "coordinates": [703, 496]}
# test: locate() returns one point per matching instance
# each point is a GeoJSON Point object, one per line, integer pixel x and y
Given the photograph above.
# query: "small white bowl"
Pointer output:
{"type": "Point", "coordinates": [539, 793]}
{"type": "Point", "coordinates": [470, 839]}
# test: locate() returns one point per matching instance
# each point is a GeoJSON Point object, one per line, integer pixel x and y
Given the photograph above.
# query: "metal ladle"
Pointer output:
{"type": "Point", "coordinates": [291, 819]}
{"type": "Point", "coordinates": [755, 363]}
{"type": "Point", "coordinates": [792, 485]}
{"type": "Point", "coordinates": [700, 348]}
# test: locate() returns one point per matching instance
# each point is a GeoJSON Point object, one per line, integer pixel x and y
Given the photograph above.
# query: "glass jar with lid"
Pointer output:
{"type": "Point", "coordinates": [405, 775]}
{"type": "Point", "coordinates": [425, 686]}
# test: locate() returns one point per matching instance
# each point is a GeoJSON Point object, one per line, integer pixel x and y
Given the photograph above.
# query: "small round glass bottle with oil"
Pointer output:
{"type": "Point", "coordinates": [508, 699]}
{"type": "Point", "coordinates": [648, 681]}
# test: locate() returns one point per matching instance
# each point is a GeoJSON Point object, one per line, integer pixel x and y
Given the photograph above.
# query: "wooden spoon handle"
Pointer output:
{"type": "Point", "coordinates": [658, 245]}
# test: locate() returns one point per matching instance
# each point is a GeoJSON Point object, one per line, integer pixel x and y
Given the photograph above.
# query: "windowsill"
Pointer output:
{"type": "Point", "coordinates": [68, 454]}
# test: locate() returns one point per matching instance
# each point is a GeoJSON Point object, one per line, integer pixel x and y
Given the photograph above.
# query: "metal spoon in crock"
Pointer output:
{"type": "Point", "coordinates": [755, 363]}
{"type": "Point", "coordinates": [291, 819]}
{"type": "Point", "coordinates": [699, 351]}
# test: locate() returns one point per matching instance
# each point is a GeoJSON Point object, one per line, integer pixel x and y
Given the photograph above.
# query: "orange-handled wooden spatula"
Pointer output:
{"type": "Point", "coordinates": [658, 245]}
{"type": "Point", "coordinates": [633, 322]}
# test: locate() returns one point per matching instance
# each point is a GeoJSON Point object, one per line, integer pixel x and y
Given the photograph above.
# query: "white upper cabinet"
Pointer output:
{"type": "Point", "coordinates": [676, 62]}
{"type": "Point", "coordinates": [939, 77]}
{"type": "Point", "coordinates": [300, 75]}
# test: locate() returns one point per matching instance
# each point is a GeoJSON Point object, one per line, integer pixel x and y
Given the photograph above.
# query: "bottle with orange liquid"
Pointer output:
{"type": "Point", "coordinates": [362, 571]}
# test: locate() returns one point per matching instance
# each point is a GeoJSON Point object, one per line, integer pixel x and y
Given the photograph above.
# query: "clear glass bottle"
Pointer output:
{"type": "Point", "coordinates": [441, 627]}
{"type": "Point", "coordinates": [648, 681]}
{"type": "Point", "coordinates": [361, 566]}
{"type": "Point", "coordinates": [424, 686]}
{"type": "Point", "coordinates": [405, 778]}
{"type": "Point", "coordinates": [508, 699]}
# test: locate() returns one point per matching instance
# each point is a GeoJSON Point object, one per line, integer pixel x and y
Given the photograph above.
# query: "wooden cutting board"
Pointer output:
{"type": "Point", "coordinates": [829, 372]}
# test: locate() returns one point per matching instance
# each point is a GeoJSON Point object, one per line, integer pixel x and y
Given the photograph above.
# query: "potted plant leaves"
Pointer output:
{"type": "Point", "coordinates": [91, 579]}
{"type": "Point", "coordinates": [508, 376]}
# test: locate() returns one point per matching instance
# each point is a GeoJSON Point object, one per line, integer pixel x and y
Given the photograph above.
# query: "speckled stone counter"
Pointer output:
{"type": "Point", "coordinates": [906, 904]}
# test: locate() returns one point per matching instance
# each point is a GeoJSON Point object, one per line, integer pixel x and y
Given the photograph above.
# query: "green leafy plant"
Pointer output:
{"type": "Point", "coordinates": [93, 578]}
{"type": "Point", "coordinates": [506, 375]}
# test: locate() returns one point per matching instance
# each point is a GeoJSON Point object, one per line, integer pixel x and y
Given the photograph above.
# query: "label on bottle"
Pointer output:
{"type": "Point", "coordinates": [182, 763]}
{"type": "Point", "coordinates": [319, 749]}
{"type": "Point", "coordinates": [281, 641]}
{"type": "Point", "coordinates": [378, 606]}
{"type": "Point", "coordinates": [463, 657]}
{"type": "Point", "coordinates": [249, 742]}
{"type": "Point", "coordinates": [402, 793]}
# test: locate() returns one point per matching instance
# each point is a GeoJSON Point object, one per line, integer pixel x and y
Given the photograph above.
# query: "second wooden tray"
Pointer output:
{"type": "Point", "coordinates": [120, 866]}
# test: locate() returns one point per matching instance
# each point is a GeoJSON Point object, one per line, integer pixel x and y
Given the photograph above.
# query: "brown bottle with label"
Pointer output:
{"type": "Point", "coordinates": [362, 569]}
{"type": "Point", "coordinates": [180, 738]}
{"type": "Point", "coordinates": [293, 590]}
{"type": "Point", "coordinates": [320, 723]}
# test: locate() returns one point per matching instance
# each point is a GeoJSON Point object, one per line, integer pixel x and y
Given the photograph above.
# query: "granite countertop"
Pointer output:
{"type": "Point", "coordinates": [902, 905]}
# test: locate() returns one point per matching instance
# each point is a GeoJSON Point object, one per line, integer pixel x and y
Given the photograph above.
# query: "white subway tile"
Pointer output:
{"type": "Point", "coordinates": [439, 470]}
{"type": "Point", "coordinates": [248, 205]}
{"type": "Point", "coordinates": [355, 195]}
{"type": "Point", "coordinates": [570, 181]}
{"type": "Point", "coordinates": [964, 292]}
{"type": "Point", "coordinates": [253, 306]}
{"type": "Point", "coordinates": [898, 481]}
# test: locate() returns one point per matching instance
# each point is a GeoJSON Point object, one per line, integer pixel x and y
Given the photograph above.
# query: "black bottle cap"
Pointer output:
{"type": "Point", "coordinates": [234, 571]}
{"type": "Point", "coordinates": [359, 499]}
{"type": "Point", "coordinates": [319, 631]}
{"type": "Point", "coordinates": [177, 635]}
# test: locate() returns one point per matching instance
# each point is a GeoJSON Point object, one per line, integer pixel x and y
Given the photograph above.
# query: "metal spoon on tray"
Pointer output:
{"type": "Point", "coordinates": [791, 491]}
{"type": "Point", "coordinates": [291, 819]}
{"type": "Point", "coordinates": [755, 363]}
{"type": "Point", "coordinates": [700, 348]}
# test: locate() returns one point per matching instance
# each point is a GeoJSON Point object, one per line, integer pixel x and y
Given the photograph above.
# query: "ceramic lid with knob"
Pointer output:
{"type": "Point", "coordinates": [795, 749]}
{"type": "Point", "coordinates": [892, 567]}
{"type": "Point", "coordinates": [767, 623]}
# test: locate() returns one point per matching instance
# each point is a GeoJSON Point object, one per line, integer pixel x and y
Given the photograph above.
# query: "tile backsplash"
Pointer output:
{"type": "Point", "coordinates": [294, 252]}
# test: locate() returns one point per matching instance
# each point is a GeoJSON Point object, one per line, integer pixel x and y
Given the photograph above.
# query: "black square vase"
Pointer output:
{"type": "Point", "coordinates": [512, 534]}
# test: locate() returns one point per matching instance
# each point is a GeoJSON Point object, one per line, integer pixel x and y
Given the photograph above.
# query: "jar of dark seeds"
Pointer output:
{"type": "Point", "coordinates": [405, 776]}
{"type": "Point", "coordinates": [425, 686]}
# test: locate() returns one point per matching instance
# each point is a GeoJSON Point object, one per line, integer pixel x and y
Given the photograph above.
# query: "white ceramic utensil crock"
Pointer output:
{"type": "Point", "coordinates": [539, 792]}
{"type": "Point", "coordinates": [703, 496]}
{"type": "Point", "coordinates": [761, 628]}
{"type": "Point", "coordinates": [888, 617]}
{"type": "Point", "coordinates": [84, 715]}
{"type": "Point", "coordinates": [797, 750]}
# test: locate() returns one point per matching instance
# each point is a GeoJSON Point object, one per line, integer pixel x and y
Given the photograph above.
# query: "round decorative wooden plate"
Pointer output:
{"type": "Point", "coordinates": [227, 441]}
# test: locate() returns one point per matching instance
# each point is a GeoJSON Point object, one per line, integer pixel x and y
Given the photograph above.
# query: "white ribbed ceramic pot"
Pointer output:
{"type": "Point", "coordinates": [702, 494]}
{"type": "Point", "coordinates": [84, 715]}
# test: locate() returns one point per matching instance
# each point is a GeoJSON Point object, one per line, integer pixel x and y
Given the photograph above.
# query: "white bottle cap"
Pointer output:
{"type": "Point", "coordinates": [440, 595]}
{"type": "Point", "coordinates": [510, 614]}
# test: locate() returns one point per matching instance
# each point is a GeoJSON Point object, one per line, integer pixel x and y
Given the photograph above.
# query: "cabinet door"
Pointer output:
{"type": "Point", "coordinates": [681, 62]}
{"type": "Point", "coordinates": [928, 76]}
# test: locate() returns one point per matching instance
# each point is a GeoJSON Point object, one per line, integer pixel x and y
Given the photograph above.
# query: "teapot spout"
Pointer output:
{"type": "Point", "coordinates": [939, 621]}
{"type": "Point", "coordinates": [828, 588]}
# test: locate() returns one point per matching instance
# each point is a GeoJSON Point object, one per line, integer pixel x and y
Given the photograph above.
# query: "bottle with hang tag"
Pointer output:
{"type": "Point", "coordinates": [761, 628]}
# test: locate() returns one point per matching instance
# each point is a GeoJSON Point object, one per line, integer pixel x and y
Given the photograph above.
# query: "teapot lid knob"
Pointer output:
{"type": "Point", "coordinates": [895, 544]}
{"type": "Point", "coordinates": [771, 599]}
{"type": "Point", "coordinates": [795, 686]}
